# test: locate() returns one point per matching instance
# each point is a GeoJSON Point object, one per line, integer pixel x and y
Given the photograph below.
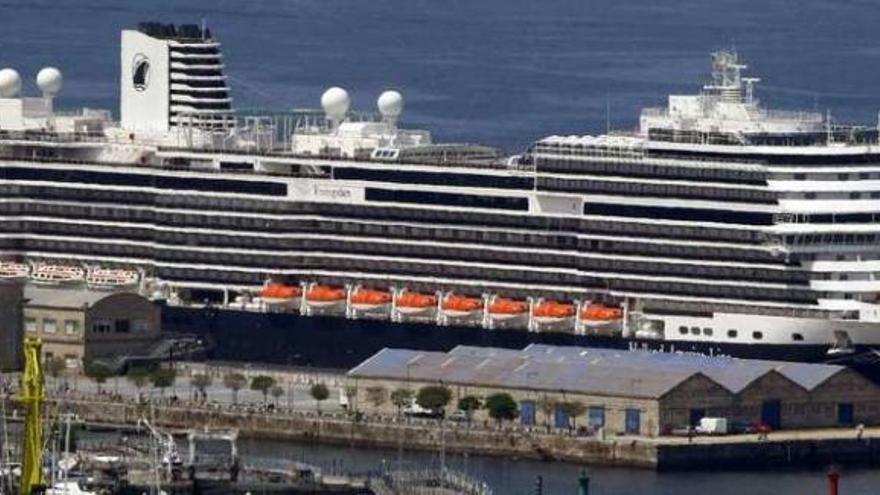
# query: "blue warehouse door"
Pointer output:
{"type": "Point", "coordinates": [560, 418]}
{"type": "Point", "coordinates": [771, 413]}
{"type": "Point", "coordinates": [633, 424]}
{"type": "Point", "coordinates": [527, 412]}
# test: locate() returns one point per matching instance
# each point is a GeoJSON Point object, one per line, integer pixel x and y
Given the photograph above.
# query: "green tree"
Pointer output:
{"type": "Point", "coordinates": [163, 378]}
{"type": "Point", "coordinates": [138, 376]}
{"type": "Point", "coordinates": [433, 397]}
{"type": "Point", "coordinates": [235, 382]}
{"type": "Point", "coordinates": [469, 405]}
{"type": "Point", "coordinates": [320, 393]}
{"type": "Point", "coordinates": [262, 384]}
{"type": "Point", "coordinates": [99, 373]}
{"type": "Point", "coordinates": [376, 396]}
{"type": "Point", "coordinates": [501, 407]}
{"type": "Point", "coordinates": [201, 382]}
{"type": "Point", "coordinates": [573, 409]}
{"type": "Point", "coordinates": [547, 407]}
{"type": "Point", "coordinates": [277, 391]}
{"type": "Point", "coordinates": [401, 398]}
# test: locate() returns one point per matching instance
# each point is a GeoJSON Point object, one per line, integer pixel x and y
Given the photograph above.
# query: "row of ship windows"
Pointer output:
{"type": "Point", "coordinates": [588, 226]}
{"type": "Point", "coordinates": [839, 195]}
{"type": "Point", "coordinates": [731, 333]}
{"type": "Point", "coordinates": [658, 190]}
{"type": "Point", "coordinates": [464, 271]}
{"type": "Point", "coordinates": [648, 170]}
{"type": "Point", "coordinates": [562, 242]}
{"type": "Point", "coordinates": [478, 253]}
{"type": "Point", "coordinates": [829, 239]}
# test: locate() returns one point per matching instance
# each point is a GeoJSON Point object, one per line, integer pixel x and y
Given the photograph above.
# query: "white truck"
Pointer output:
{"type": "Point", "coordinates": [712, 426]}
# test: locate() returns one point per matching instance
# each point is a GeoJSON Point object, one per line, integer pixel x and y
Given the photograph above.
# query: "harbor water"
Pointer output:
{"type": "Point", "coordinates": [500, 72]}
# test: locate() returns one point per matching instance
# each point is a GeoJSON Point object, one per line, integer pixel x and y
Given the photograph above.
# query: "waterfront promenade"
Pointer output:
{"type": "Point", "coordinates": [295, 415]}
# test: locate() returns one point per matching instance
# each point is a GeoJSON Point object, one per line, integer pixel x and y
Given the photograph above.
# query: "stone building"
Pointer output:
{"type": "Point", "coordinates": [80, 325]}
{"type": "Point", "coordinates": [628, 392]}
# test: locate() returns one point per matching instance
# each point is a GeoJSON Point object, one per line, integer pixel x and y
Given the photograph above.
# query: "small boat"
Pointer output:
{"type": "Point", "coordinates": [552, 311]}
{"type": "Point", "coordinates": [275, 294]}
{"type": "Point", "coordinates": [111, 278]}
{"type": "Point", "coordinates": [599, 314]}
{"type": "Point", "coordinates": [415, 302]}
{"type": "Point", "coordinates": [10, 270]}
{"type": "Point", "coordinates": [458, 305]}
{"type": "Point", "coordinates": [325, 295]}
{"type": "Point", "coordinates": [57, 274]}
{"type": "Point", "coordinates": [364, 299]}
{"type": "Point", "coordinates": [503, 308]}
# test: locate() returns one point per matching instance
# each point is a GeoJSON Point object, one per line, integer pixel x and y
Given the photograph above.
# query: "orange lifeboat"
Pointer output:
{"type": "Point", "coordinates": [273, 293]}
{"type": "Point", "coordinates": [325, 295]}
{"type": "Point", "coordinates": [599, 314]}
{"type": "Point", "coordinates": [458, 305]}
{"type": "Point", "coordinates": [366, 299]}
{"type": "Point", "coordinates": [503, 308]}
{"type": "Point", "coordinates": [415, 302]}
{"type": "Point", "coordinates": [550, 310]}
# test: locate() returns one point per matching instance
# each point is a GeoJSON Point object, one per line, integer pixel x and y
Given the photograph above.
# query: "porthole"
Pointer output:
{"type": "Point", "coordinates": [707, 332]}
{"type": "Point", "coordinates": [757, 335]}
{"type": "Point", "coordinates": [695, 330]}
{"type": "Point", "coordinates": [797, 337]}
{"type": "Point", "coordinates": [732, 333]}
{"type": "Point", "coordinates": [683, 330]}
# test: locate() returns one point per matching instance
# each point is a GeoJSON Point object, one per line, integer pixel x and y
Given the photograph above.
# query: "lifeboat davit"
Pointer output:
{"type": "Point", "coordinates": [10, 270]}
{"type": "Point", "coordinates": [503, 308]}
{"type": "Point", "coordinates": [51, 274]}
{"type": "Point", "coordinates": [281, 294]}
{"type": "Point", "coordinates": [111, 278]}
{"type": "Point", "coordinates": [458, 305]}
{"type": "Point", "coordinates": [415, 302]}
{"type": "Point", "coordinates": [599, 314]}
{"type": "Point", "coordinates": [370, 299]}
{"type": "Point", "coordinates": [550, 310]}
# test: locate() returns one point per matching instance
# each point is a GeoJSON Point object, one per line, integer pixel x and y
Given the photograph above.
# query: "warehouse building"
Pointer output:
{"type": "Point", "coordinates": [80, 325]}
{"type": "Point", "coordinates": [628, 392]}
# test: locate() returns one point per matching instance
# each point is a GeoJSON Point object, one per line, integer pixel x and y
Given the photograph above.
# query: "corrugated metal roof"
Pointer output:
{"type": "Point", "coordinates": [582, 370]}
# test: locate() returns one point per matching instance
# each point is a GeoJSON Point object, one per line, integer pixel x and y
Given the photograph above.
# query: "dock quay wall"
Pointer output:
{"type": "Point", "coordinates": [781, 449]}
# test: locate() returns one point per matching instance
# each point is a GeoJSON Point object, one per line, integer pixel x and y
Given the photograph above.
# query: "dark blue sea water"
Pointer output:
{"type": "Point", "coordinates": [500, 72]}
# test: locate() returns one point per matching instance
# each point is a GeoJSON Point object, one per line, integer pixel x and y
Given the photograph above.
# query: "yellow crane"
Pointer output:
{"type": "Point", "coordinates": [32, 397]}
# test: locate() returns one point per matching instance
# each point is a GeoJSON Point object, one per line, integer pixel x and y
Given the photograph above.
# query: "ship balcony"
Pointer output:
{"type": "Point", "coordinates": [195, 56]}
{"type": "Point", "coordinates": [193, 44]}
{"type": "Point", "coordinates": [201, 99]}
{"type": "Point", "coordinates": [200, 66]}
{"type": "Point", "coordinates": [187, 109]}
{"type": "Point", "coordinates": [197, 89]}
{"type": "Point", "coordinates": [177, 76]}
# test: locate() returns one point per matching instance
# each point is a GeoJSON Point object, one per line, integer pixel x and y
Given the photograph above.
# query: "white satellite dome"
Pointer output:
{"type": "Point", "coordinates": [10, 83]}
{"type": "Point", "coordinates": [336, 103]}
{"type": "Point", "coordinates": [390, 104]}
{"type": "Point", "coordinates": [49, 80]}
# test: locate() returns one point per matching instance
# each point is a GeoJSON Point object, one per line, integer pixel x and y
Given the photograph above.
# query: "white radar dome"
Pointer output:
{"type": "Point", "coordinates": [390, 104]}
{"type": "Point", "coordinates": [49, 80]}
{"type": "Point", "coordinates": [336, 103]}
{"type": "Point", "coordinates": [10, 83]}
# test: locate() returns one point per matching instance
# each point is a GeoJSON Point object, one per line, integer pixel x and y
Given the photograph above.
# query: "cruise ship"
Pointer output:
{"type": "Point", "coordinates": [717, 226]}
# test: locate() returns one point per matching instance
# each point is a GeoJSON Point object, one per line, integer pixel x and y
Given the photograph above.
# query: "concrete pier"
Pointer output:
{"type": "Point", "coordinates": [789, 448]}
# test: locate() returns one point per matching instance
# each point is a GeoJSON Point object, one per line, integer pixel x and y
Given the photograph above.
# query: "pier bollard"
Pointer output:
{"type": "Point", "coordinates": [833, 481]}
{"type": "Point", "coordinates": [583, 483]}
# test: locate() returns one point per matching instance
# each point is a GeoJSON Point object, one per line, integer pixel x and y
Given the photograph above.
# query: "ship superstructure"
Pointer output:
{"type": "Point", "coordinates": [718, 225]}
